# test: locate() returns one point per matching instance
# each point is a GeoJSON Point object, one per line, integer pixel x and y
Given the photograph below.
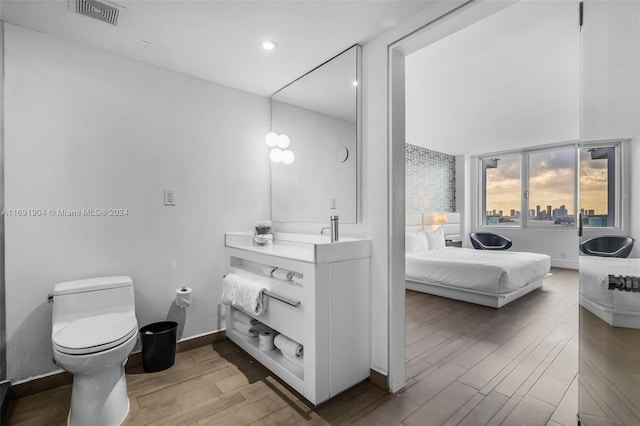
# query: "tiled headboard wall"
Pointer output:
{"type": "Point", "coordinates": [430, 180]}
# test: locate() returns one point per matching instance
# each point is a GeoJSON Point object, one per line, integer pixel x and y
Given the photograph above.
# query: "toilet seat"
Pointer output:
{"type": "Point", "coordinates": [95, 334]}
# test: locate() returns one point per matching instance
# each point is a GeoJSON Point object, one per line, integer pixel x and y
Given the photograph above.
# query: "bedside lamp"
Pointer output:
{"type": "Point", "coordinates": [441, 219]}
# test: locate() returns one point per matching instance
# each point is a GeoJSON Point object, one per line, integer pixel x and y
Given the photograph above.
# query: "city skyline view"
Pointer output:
{"type": "Point", "coordinates": [551, 183]}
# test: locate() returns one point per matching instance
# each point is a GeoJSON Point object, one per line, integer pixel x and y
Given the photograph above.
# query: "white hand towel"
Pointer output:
{"type": "Point", "coordinates": [245, 329]}
{"type": "Point", "coordinates": [244, 318]}
{"type": "Point", "coordinates": [297, 360]}
{"type": "Point", "coordinates": [244, 294]}
{"type": "Point", "coordinates": [228, 288]}
{"type": "Point", "coordinates": [283, 274]}
{"type": "Point", "coordinates": [268, 270]}
{"type": "Point", "coordinates": [288, 346]}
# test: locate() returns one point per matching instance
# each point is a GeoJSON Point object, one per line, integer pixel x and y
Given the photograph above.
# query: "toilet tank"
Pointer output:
{"type": "Point", "coordinates": [94, 296]}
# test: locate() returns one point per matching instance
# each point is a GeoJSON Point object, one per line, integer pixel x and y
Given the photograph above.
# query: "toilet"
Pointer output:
{"type": "Point", "coordinates": [94, 329]}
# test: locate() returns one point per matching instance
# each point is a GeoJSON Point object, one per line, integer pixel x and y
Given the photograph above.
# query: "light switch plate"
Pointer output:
{"type": "Point", "coordinates": [169, 198]}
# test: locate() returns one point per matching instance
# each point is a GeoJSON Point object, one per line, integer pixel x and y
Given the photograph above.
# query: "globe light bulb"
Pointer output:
{"type": "Point", "coordinates": [276, 155]}
{"type": "Point", "coordinates": [269, 45]}
{"type": "Point", "coordinates": [283, 141]}
{"type": "Point", "coordinates": [271, 138]}
{"type": "Point", "coordinates": [288, 157]}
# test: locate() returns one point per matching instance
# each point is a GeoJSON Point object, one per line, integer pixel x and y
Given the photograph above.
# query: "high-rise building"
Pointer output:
{"type": "Point", "coordinates": [538, 212]}
{"type": "Point", "coordinates": [532, 212]}
{"type": "Point", "coordinates": [513, 212]}
{"type": "Point", "coordinates": [548, 211]}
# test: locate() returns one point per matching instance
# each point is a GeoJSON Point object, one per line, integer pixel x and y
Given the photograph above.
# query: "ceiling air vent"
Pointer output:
{"type": "Point", "coordinates": [97, 10]}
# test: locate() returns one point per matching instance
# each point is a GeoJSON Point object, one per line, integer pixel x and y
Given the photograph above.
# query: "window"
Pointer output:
{"type": "Point", "coordinates": [598, 186]}
{"type": "Point", "coordinates": [503, 190]}
{"type": "Point", "coordinates": [552, 187]}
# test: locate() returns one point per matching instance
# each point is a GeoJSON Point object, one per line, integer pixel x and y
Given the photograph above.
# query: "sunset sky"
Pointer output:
{"type": "Point", "coordinates": [550, 182]}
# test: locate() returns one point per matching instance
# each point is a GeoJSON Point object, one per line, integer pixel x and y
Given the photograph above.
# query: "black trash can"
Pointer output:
{"type": "Point", "coordinates": [158, 345]}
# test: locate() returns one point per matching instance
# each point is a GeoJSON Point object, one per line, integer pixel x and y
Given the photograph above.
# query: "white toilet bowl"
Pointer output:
{"type": "Point", "coordinates": [94, 346]}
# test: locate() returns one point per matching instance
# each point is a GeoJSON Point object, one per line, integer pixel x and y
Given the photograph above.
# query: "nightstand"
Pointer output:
{"type": "Point", "coordinates": [453, 243]}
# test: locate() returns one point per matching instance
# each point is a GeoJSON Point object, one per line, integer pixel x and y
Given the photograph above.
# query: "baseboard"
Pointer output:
{"type": "Point", "coordinates": [135, 359]}
{"type": "Point", "coordinates": [41, 384]}
{"type": "Point", "coordinates": [5, 400]}
{"type": "Point", "coordinates": [379, 379]}
{"type": "Point", "coordinates": [565, 264]}
{"type": "Point", "coordinates": [62, 378]}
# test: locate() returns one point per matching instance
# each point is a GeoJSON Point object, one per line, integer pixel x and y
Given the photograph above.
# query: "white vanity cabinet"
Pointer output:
{"type": "Point", "coordinates": [332, 321]}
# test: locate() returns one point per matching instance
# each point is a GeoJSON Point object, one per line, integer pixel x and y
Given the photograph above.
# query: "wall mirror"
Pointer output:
{"type": "Point", "coordinates": [319, 112]}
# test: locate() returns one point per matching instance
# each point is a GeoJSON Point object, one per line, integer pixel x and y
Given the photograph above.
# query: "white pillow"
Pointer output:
{"type": "Point", "coordinates": [435, 238]}
{"type": "Point", "coordinates": [415, 242]}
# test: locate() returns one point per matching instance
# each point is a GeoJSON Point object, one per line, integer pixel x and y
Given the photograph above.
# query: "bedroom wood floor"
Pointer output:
{"type": "Point", "coordinates": [466, 365]}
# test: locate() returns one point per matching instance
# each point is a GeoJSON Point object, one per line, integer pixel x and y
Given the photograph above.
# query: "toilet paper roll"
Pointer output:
{"type": "Point", "coordinates": [265, 341]}
{"type": "Point", "coordinates": [183, 297]}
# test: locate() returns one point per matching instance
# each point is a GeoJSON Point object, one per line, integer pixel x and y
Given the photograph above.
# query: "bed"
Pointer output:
{"type": "Point", "coordinates": [489, 278]}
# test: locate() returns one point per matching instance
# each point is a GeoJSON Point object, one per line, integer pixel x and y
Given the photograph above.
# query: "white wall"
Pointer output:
{"type": "Point", "coordinates": [510, 80]}
{"type": "Point", "coordinates": [87, 129]}
{"type": "Point", "coordinates": [611, 87]}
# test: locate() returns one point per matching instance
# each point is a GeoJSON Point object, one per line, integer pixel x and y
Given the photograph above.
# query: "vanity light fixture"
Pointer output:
{"type": "Point", "coordinates": [288, 157]}
{"type": "Point", "coordinates": [355, 83]}
{"type": "Point", "coordinates": [269, 45]}
{"type": "Point", "coordinates": [276, 155]}
{"type": "Point", "coordinates": [271, 138]}
{"type": "Point", "coordinates": [278, 144]}
{"type": "Point", "coordinates": [283, 141]}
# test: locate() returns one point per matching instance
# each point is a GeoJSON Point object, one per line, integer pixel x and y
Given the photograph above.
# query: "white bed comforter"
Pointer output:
{"type": "Point", "coordinates": [487, 271]}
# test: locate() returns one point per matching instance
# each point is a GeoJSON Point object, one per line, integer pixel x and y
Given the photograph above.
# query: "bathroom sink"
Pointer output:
{"type": "Point", "coordinates": [610, 246]}
{"type": "Point", "coordinates": [305, 247]}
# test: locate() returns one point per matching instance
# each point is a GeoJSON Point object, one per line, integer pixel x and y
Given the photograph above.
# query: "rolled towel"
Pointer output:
{"type": "Point", "coordinates": [297, 278]}
{"type": "Point", "coordinates": [288, 346]}
{"type": "Point", "coordinates": [268, 270]}
{"type": "Point", "coordinates": [245, 329]}
{"type": "Point", "coordinates": [244, 318]}
{"type": "Point", "coordinates": [283, 274]}
{"type": "Point", "coordinates": [297, 360]}
{"type": "Point", "coordinates": [245, 294]}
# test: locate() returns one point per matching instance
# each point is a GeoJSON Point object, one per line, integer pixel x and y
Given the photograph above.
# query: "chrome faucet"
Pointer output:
{"type": "Point", "coordinates": [333, 229]}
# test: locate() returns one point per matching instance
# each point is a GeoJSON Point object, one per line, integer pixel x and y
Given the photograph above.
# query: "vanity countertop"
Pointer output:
{"type": "Point", "coordinates": [303, 247]}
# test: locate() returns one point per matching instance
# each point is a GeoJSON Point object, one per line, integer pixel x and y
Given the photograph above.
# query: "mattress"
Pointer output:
{"type": "Point", "coordinates": [494, 272]}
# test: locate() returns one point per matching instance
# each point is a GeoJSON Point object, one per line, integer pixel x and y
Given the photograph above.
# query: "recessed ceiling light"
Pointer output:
{"type": "Point", "coordinates": [269, 45]}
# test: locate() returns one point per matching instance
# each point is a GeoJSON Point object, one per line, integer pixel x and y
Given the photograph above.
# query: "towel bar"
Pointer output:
{"type": "Point", "coordinates": [294, 303]}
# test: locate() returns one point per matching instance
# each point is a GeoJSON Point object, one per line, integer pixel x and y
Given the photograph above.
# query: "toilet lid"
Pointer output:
{"type": "Point", "coordinates": [95, 334]}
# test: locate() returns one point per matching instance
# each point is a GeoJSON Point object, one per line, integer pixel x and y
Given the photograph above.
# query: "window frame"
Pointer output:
{"type": "Point", "coordinates": [524, 153]}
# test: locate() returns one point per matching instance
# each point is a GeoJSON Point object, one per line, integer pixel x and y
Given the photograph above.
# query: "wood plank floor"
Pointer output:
{"type": "Point", "coordinates": [609, 389]}
{"type": "Point", "coordinates": [466, 365]}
